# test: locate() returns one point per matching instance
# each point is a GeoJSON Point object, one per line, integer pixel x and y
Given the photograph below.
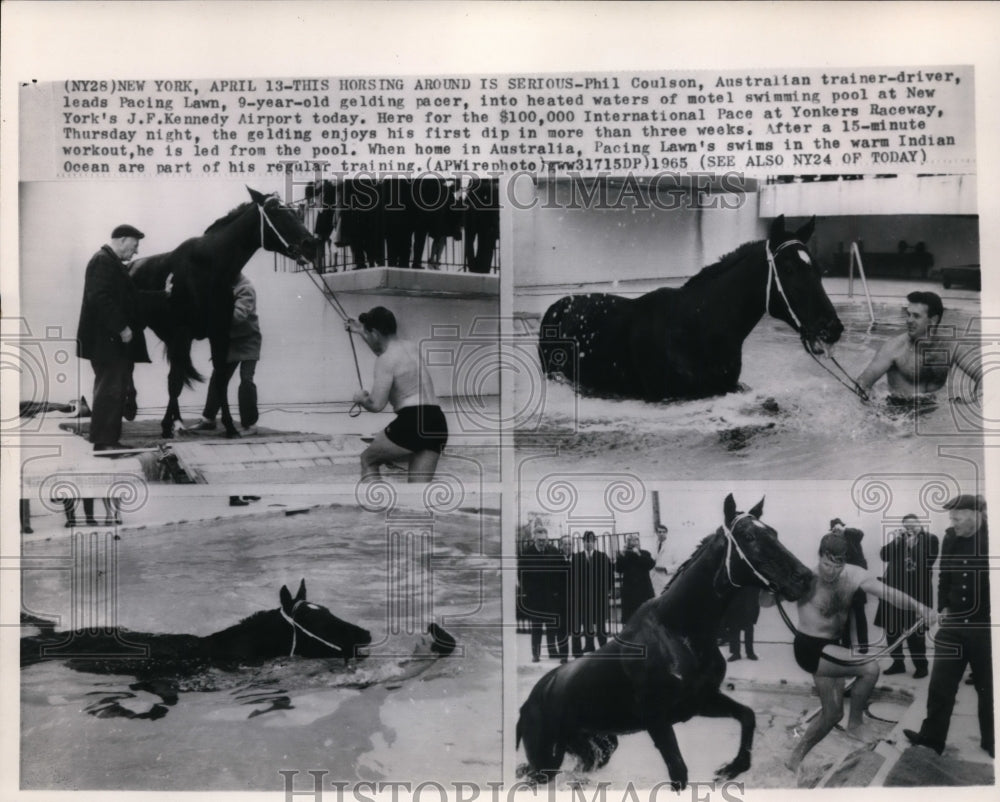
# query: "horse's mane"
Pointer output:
{"type": "Point", "coordinates": [227, 218]}
{"type": "Point", "coordinates": [254, 617]}
{"type": "Point", "coordinates": [726, 263]}
{"type": "Point", "coordinates": [687, 563]}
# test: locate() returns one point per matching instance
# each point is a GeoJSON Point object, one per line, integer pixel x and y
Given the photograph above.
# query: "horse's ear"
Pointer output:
{"type": "Point", "coordinates": [728, 509]}
{"type": "Point", "coordinates": [301, 595]}
{"type": "Point", "coordinates": [286, 598]}
{"type": "Point", "coordinates": [804, 233]}
{"type": "Point", "coordinates": [258, 197]}
{"type": "Point", "coordinates": [757, 511]}
{"type": "Point", "coordinates": [777, 230]}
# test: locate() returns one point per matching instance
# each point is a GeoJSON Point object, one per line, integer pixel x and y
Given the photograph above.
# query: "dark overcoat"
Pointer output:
{"type": "Point", "coordinates": [110, 303]}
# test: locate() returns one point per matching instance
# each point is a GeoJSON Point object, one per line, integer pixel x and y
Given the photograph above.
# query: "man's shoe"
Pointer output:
{"type": "Point", "coordinates": [131, 408]}
{"type": "Point", "coordinates": [203, 425]}
{"type": "Point", "coordinates": [110, 447]}
{"type": "Point", "coordinates": [236, 501]}
{"type": "Point", "coordinates": [920, 673]}
{"type": "Point", "coordinates": [896, 668]}
{"type": "Point", "coordinates": [248, 431]}
{"type": "Point", "coordinates": [751, 656]}
{"type": "Point", "coordinates": [917, 739]}
{"type": "Point", "coordinates": [733, 658]}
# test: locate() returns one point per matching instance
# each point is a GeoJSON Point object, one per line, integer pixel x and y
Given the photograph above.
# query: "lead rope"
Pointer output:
{"type": "Point", "coordinates": [296, 626]}
{"type": "Point", "coordinates": [334, 302]}
{"type": "Point", "coordinates": [772, 274]}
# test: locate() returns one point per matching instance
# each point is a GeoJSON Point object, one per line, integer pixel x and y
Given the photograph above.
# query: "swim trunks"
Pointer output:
{"type": "Point", "coordinates": [419, 428]}
{"type": "Point", "coordinates": [808, 650]}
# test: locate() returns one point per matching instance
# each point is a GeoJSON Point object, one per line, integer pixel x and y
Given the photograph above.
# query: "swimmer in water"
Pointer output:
{"type": "Point", "coordinates": [822, 613]}
{"type": "Point", "coordinates": [419, 432]}
{"type": "Point", "coordinates": [916, 363]}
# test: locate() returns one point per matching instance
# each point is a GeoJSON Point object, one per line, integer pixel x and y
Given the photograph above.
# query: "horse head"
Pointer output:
{"type": "Point", "coordinates": [795, 292]}
{"type": "Point", "coordinates": [755, 557]}
{"type": "Point", "coordinates": [282, 229]}
{"type": "Point", "coordinates": [317, 631]}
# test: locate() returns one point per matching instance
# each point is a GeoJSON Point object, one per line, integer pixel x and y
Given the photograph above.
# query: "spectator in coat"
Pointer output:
{"type": "Point", "coordinates": [244, 353]}
{"type": "Point", "coordinates": [110, 335]}
{"type": "Point", "coordinates": [739, 619]}
{"type": "Point", "coordinates": [534, 572]}
{"type": "Point", "coordinates": [964, 637]}
{"type": "Point", "coordinates": [634, 565]}
{"type": "Point", "coordinates": [909, 558]}
{"type": "Point", "coordinates": [855, 556]}
{"type": "Point", "coordinates": [591, 582]}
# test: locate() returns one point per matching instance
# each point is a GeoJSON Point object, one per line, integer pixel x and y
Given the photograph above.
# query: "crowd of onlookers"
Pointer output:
{"type": "Point", "coordinates": [397, 222]}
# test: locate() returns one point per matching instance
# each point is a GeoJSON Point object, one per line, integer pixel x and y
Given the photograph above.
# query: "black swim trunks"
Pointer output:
{"type": "Point", "coordinates": [808, 650]}
{"type": "Point", "coordinates": [420, 428]}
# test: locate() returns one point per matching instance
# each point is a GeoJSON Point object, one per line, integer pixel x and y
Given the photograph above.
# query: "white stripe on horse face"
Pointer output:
{"type": "Point", "coordinates": [804, 256]}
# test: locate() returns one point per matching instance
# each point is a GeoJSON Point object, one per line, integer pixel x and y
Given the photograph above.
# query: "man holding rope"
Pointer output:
{"type": "Point", "coordinates": [419, 432]}
{"type": "Point", "coordinates": [822, 613]}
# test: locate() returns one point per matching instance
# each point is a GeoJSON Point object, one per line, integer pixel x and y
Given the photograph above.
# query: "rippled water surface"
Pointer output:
{"type": "Point", "coordinates": [385, 718]}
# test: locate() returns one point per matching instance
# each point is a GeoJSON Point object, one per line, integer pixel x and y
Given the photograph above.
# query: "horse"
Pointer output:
{"type": "Point", "coordinates": [687, 342]}
{"type": "Point", "coordinates": [665, 666]}
{"type": "Point", "coordinates": [297, 628]}
{"type": "Point", "coordinates": [203, 270]}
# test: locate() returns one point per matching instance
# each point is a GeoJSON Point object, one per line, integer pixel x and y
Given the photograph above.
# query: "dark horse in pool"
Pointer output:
{"type": "Point", "coordinates": [298, 628]}
{"type": "Point", "coordinates": [203, 270]}
{"type": "Point", "coordinates": [665, 666]}
{"type": "Point", "coordinates": [687, 342]}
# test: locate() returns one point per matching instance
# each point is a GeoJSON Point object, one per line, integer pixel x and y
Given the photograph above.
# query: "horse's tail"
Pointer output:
{"type": "Point", "coordinates": [179, 357]}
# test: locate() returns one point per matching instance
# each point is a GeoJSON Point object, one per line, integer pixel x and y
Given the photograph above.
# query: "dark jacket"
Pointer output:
{"type": "Point", "coordinates": [110, 303]}
{"type": "Point", "coordinates": [908, 569]}
{"type": "Point", "coordinates": [535, 579]}
{"type": "Point", "coordinates": [591, 583]}
{"type": "Point", "coordinates": [964, 577]}
{"type": "Point", "coordinates": [637, 587]}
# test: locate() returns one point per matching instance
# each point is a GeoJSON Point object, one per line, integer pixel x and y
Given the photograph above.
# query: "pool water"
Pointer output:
{"type": "Point", "coordinates": [794, 419]}
{"type": "Point", "coordinates": [378, 719]}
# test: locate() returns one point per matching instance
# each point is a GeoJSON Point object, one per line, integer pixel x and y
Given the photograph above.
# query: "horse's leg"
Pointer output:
{"type": "Point", "coordinates": [224, 371]}
{"type": "Point", "coordinates": [175, 383]}
{"type": "Point", "coordinates": [662, 733]}
{"type": "Point", "coordinates": [721, 706]}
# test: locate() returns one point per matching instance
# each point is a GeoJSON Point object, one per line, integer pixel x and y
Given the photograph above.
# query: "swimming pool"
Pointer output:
{"type": "Point", "coordinates": [794, 421]}
{"type": "Point", "coordinates": [237, 730]}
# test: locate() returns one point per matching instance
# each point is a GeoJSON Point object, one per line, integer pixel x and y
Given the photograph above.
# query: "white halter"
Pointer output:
{"type": "Point", "coordinates": [732, 544]}
{"type": "Point", "coordinates": [264, 218]}
{"type": "Point", "coordinates": [296, 626]}
{"type": "Point", "coordinates": [772, 276]}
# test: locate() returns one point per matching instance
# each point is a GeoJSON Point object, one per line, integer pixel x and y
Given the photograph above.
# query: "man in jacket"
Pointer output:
{"type": "Point", "coordinates": [964, 636]}
{"type": "Point", "coordinates": [244, 351]}
{"type": "Point", "coordinates": [634, 565]}
{"type": "Point", "coordinates": [591, 588]}
{"type": "Point", "coordinates": [909, 558]}
{"type": "Point", "coordinates": [110, 335]}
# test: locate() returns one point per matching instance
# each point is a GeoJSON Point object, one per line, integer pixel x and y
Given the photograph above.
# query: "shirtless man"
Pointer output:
{"type": "Point", "coordinates": [822, 615]}
{"type": "Point", "coordinates": [897, 360]}
{"type": "Point", "coordinates": [419, 431]}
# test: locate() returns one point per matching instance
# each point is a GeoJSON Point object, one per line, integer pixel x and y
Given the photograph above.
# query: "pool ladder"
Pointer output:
{"type": "Point", "coordinates": [856, 257]}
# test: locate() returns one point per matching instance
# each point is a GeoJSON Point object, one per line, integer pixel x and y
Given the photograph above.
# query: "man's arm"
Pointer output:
{"type": "Point", "coordinates": [378, 397]}
{"type": "Point", "coordinates": [969, 360]}
{"type": "Point", "coordinates": [244, 301]}
{"type": "Point", "coordinates": [878, 367]}
{"type": "Point", "coordinates": [897, 598]}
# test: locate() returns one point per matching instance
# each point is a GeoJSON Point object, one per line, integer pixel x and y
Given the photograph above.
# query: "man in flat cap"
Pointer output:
{"type": "Point", "coordinates": [419, 431]}
{"type": "Point", "coordinates": [964, 636]}
{"type": "Point", "coordinates": [110, 336]}
{"type": "Point", "coordinates": [823, 612]}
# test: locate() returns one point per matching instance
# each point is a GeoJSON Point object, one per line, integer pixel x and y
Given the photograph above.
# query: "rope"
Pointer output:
{"type": "Point", "coordinates": [296, 626]}
{"type": "Point", "coordinates": [334, 302]}
{"type": "Point", "coordinates": [850, 384]}
{"type": "Point", "coordinates": [860, 661]}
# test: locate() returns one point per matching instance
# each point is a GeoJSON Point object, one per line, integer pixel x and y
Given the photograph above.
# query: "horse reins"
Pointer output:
{"type": "Point", "coordinates": [861, 660]}
{"type": "Point", "coordinates": [296, 626]}
{"type": "Point", "coordinates": [264, 218]}
{"type": "Point", "coordinates": [772, 276]}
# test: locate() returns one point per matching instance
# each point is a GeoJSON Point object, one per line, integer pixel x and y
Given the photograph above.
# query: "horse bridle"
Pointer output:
{"type": "Point", "coordinates": [772, 276]}
{"type": "Point", "coordinates": [265, 219]}
{"type": "Point", "coordinates": [296, 627]}
{"type": "Point", "coordinates": [731, 544]}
